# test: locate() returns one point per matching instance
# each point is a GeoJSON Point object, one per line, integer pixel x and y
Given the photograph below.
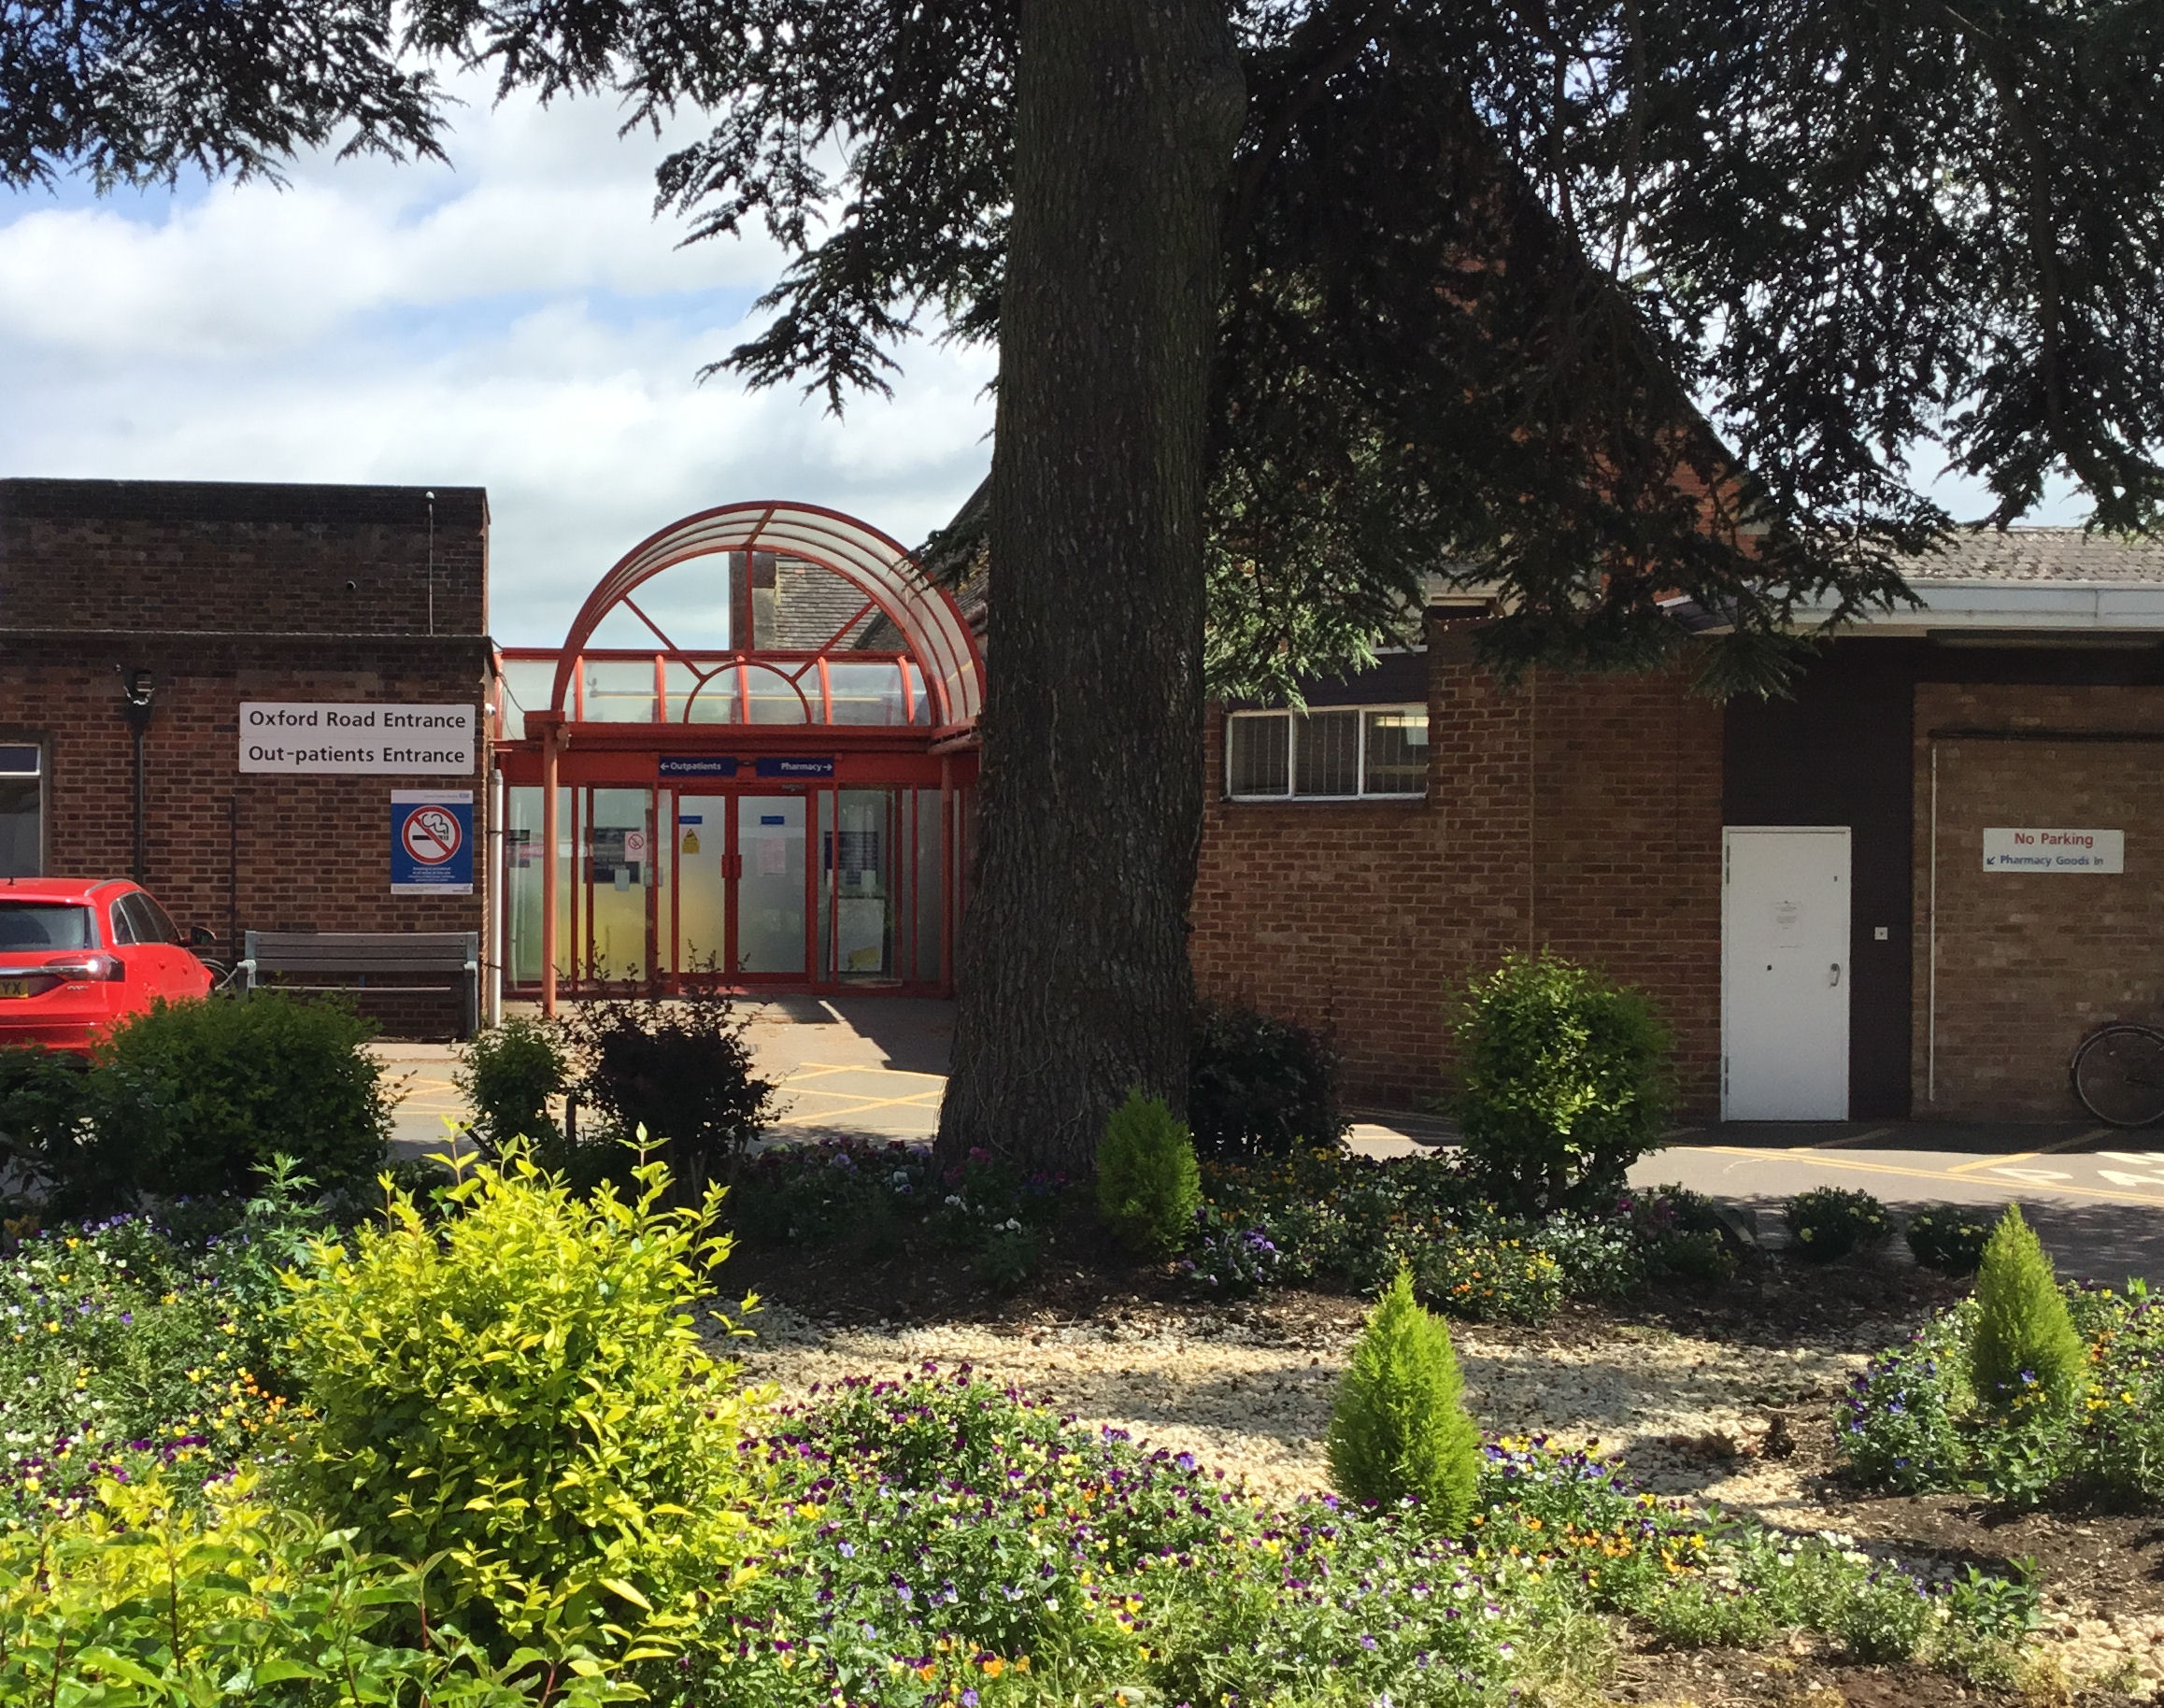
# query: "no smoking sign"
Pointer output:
{"type": "Point", "coordinates": [431, 842]}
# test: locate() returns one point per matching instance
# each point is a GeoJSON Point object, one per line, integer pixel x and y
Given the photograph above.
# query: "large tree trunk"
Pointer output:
{"type": "Point", "coordinates": [1073, 971]}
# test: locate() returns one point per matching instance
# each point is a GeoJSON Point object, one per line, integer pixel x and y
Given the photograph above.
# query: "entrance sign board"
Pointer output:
{"type": "Point", "coordinates": [431, 842]}
{"type": "Point", "coordinates": [356, 739]}
{"type": "Point", "coordinates": [2055, 850]}
{"type": "Point", "coordinates": [695, 764]}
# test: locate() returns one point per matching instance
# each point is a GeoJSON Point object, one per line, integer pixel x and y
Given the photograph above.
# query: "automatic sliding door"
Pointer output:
{"type": "Point", "coordinates": [702, 896]}
{"type": "Point", "coordinates": [771, 868]}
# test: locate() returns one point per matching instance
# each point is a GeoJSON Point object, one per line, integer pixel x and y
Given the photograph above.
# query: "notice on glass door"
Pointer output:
{"type": "Point", "coordinates": [2055, 850]}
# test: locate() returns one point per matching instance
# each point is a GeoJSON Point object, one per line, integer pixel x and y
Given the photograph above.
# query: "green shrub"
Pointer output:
{"type": "Point", "coordinates": [2025, 1341]}
{"type": "Point", "coordinates": [1400, 1430]}
{"type": "Point", "coordinates": [44, 1135]}
{"type": "Point", "coordinates": [507, 1075]}
{"type": "Point", "coordinates": [1949, 1237]}
{"type": "Point", "coordinates": [1563, 1081]}
{"type": "Point", "coordinates": [1829, 1222]}
{"type": "Point", "coordinates": [521, 1390]}
{"type": "Point", "coordinates": [1149, 1185]}
{"type": "Point", "coordinates": [680, 1070]}
{"type": "Point", "coordinates": [1681, 1235]}
{"type": "Point", "coordinates": [1259, 1087]}
{"type": "Point", "coordinates": [197, 1098]}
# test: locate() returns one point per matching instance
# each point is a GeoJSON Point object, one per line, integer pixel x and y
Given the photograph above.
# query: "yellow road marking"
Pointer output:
{"type": "Point", "coordinates": [1917, 1173]}
{"type": "Point", "coordinates": [2042, 1150]}
{"type": "Point", "coordinates": [866, 1068]}
{"type": "Point", "coordinates": [865, 1107]}
{"type": "Point", "coordinates": [1860, 1138]}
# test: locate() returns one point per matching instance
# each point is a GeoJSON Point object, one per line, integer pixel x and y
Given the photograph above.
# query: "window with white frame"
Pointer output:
{"type": "Point", "coordinates": [1327, 753]}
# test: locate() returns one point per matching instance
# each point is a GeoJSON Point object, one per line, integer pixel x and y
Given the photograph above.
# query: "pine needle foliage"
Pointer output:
{"type": "Point", "coordinates": [1148, 1184]}
{"type": "Point", "coordinates": [1400, 1429]}
{"type": "Point", "coordinates": [2025, 1341]}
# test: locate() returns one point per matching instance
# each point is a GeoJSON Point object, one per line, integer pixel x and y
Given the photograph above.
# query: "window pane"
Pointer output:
{"type": "Point", "coordinates": [526, 684]}
{"type": "Point", "coordinates": [776, 698]}
{"type": "Point", "coordinates": [21, 841]}
{"type": "Point", "coordinates": [865, 693]}
{"type": "Point", "coordinates": [157, 921]}
{"type": "Point", "coordinates": [1327, 754]}
{"type": "Point", "coordinates": [1255, 753]}
{"type": "Point", "coordinates": [44, 925]}
{"type": "Point", "coordinates": [619, 691]}
{"type": "Point", "coordinates": [1396, 758]}
{"type": "Point", "coordinates": [18, 761]}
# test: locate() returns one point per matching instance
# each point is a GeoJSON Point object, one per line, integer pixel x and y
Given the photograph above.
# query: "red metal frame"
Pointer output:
{"type": "Point", "coordinates": [561, 749]}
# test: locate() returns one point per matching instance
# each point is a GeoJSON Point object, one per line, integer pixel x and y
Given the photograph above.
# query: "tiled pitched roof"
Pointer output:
{"type": "Point", "coordinates": [2041, 554]}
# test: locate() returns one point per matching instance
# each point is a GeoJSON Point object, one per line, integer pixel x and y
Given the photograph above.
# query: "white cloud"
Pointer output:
{"type": "Point", "coordinates": [516, 320]}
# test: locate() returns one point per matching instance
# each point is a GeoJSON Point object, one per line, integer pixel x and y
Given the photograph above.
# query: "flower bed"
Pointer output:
{"type": "Point", "coordinates": [1912, 1421]}
{"type": "Point", "coordinates": [933, 1540]}
{"type": "Point", "coordinates": [125, 1348]}
{"type": "Point", "coordinates": [1317, 1214]}
{"type": "Point", "coordinates": [952, 1542]}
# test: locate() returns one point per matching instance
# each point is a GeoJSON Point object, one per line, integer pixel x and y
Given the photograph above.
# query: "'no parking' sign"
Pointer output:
{"type": "Point", "coordinates": [431, 842]}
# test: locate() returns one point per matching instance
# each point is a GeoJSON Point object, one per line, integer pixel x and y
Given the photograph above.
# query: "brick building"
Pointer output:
{"type": "Point", "coordinates": [206, 598]}
{"type": "Point", "coordinates": [1828, 895]}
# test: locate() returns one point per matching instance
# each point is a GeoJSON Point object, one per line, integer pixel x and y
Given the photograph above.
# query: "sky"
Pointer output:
{"type": "Point", "coordinates": [518, 320]}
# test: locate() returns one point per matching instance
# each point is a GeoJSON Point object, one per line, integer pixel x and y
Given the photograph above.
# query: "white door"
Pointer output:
{"type": "Point", "coordinates": [1784, 975]}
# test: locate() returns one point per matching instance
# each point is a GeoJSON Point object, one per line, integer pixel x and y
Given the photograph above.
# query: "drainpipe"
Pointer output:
{"type": "Point", "coordinates": [136, 690]}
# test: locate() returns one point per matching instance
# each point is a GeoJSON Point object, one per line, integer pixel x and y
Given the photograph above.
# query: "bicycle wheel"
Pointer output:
{"type": "Point", "coordinates": [2119, 1074]}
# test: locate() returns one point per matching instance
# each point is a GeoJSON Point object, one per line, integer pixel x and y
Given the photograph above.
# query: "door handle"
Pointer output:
{"type": "Point", "coordinates": [1835, 978]}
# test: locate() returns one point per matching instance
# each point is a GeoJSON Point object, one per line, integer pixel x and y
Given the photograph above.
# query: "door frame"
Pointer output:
{"type": "Point", "coordinates": [1847, 835]}
{"type": "Point", "coordinates": [674, 977]}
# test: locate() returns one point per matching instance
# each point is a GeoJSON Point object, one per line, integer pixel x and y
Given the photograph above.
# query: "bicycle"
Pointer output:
{"type": "Point", "coordinates": [2118, 1072]}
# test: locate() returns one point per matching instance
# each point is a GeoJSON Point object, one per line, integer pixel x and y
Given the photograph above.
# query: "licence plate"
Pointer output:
{"type": "Point", "coordinates": [14, 987]}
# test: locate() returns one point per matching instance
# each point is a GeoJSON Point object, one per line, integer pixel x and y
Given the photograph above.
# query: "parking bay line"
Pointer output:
{"type": "Point", "coordinates": [2042, 1150]}
{"type": "Point", "coordinates": [1917, 1173]}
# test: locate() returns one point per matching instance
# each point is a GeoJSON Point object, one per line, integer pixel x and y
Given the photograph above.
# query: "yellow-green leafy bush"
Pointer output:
{"type": "Point", "coordinates": [522, 1391]}
{"type": "Point", "coordinates": [1400, 1429]}
{"type": "Point", "coordinates": [151, 1595]}
{"type": "Point", "coordinates": [1148, 1184]}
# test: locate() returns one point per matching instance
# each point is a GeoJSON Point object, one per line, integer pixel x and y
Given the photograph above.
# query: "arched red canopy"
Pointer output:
{"type": "Point", "coordinates": [925, 615]}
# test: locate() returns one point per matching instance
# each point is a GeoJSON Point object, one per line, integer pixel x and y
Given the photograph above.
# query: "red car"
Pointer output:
{"type": "Point", "coordinates": [77, 955]}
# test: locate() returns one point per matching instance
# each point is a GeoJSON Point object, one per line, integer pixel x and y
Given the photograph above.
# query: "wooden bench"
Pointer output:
{"type": "Point", "coordinates": [369, 958]}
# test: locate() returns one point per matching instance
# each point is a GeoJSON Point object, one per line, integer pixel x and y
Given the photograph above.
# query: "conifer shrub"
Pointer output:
{"type": "Point", "coordinates": [1400, 1430]}
{"type": "Point", "coordinates": [518, 1392]}
{"type": "Point", "coordinates": [2025, 1341]}
{"type": "Point", "coordinates": [1563, 1083]}
{"type": "Point", "coordinates": [1148, 1184]}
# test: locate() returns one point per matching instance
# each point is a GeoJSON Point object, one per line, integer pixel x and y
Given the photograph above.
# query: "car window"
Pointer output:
{"type": "Point", "coordinates": [162, 929]}
{"type": "Point", "coordinates": [44, 925]}
{"type": "Point", "coordinates": [123, 923]}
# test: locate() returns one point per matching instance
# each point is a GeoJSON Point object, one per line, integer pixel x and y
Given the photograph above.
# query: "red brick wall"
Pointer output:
{"type": "Point", "coordinates": [1581, 813]}
{"type": "Point", "coordinates": [225, 593]}
{"type": "Point", "coordinates": [2028, 962]}
{"type": "Point", "coordinates": [203, 557]}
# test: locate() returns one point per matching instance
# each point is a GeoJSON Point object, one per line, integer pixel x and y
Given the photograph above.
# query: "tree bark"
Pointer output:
{"type": "Point", "coordinates": [1074, 969]}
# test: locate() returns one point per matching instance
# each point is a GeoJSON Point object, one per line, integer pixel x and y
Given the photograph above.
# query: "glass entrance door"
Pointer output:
{"type": "Point", "coordinates": [772, 887]}
{"type": "Point", "coordinates": [701, 893]}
